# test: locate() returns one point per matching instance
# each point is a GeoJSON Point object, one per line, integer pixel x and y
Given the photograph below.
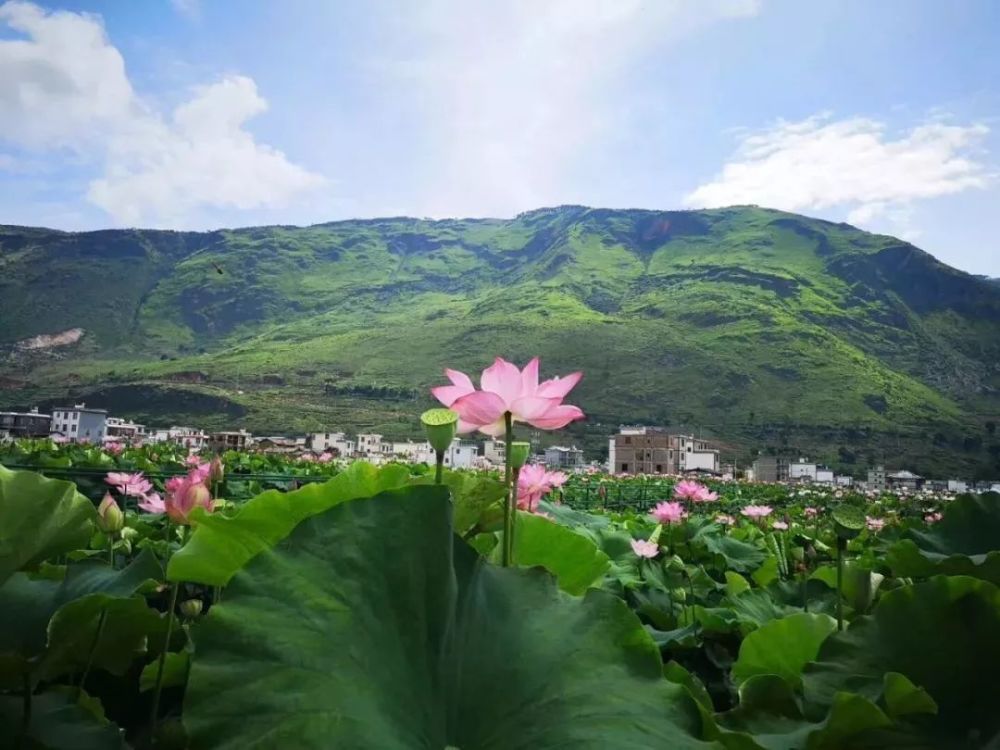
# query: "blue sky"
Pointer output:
{"type": "Point", "coordinates": [199, 114]}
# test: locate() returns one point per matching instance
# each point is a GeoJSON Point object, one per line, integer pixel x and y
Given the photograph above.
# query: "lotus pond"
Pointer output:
{"type": "Point", "coordinates": [162, 600]}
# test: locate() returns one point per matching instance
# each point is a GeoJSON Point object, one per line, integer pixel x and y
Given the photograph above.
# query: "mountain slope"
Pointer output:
{"type": "Point", "coordinates": [761, 327]}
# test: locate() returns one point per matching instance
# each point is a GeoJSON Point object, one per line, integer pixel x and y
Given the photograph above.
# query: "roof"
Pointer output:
{"type": "Point", "coordinates": [81, 408]}
{"type": "Point", "coordinates": [904, 475]}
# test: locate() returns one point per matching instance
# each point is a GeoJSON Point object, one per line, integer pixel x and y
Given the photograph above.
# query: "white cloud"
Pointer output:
{"type": "Point", "coordinates": [64, 87]}
{"type": "Point", "coordinates": [515, 92]}
{"type": "Point", "coordinates": [850, 165]}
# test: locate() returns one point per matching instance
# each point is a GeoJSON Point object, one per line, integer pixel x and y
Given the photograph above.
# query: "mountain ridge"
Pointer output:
{"type": "Point", "coordinates": [764, 327]}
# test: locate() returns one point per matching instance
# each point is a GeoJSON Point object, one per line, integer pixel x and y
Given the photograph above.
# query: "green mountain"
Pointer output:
{"type": "Point", "coordinates": [765, 329]}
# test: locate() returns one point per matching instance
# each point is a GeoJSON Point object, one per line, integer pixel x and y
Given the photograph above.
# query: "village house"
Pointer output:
{"type": "Point", "coordinates": [124, 431]}
{"type": "Point", "coordinates": [771, 469]}
{"type": "Point", "coordinates": [25, 424]}
{"type": "Point", "coordinates": [494, 452]}
{"type": "Point", "coordinates": [653, 450]}
{"type": "Point", "coordinates": [279, 444]}
{"type": "Point", "coordinates": [876, 479]}
{"type": "Point", "coordinates": [558, 457]}
{"type": "Point", "coordinates": [369, 444]}
{"type": "Point", "coordinates": [189, 437]}
{"type": "Point", "coordinates": [79, 423]}
{"type": "Point", "coordinates": [229, 440]}
{"type": "Point", "coordinates": [904, 480]}
{"type": "Point", "coordinates": [336, 443]}
{"type": "Point", "coordinates": [802, 470]}
{"type": "Point", "coordinates": [461, 454]}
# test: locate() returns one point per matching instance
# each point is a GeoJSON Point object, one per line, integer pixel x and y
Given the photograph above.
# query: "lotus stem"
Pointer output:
{"type": "Point", "coordinates": [93, 649]}
{"type": "Point", "coordinates": [841, 544]}
{"type": "Point", "coordinates": [508, 501]}
{"type": "Point", "coordinates": [513, 513]}
{"type": "Point", "coordinates": [438, 466]}
{"type": "Point", "coordinates": [154, 716]}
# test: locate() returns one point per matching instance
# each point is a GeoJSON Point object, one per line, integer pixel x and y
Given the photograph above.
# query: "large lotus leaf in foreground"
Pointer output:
{"type": "Point", "coordinates": [372, 626]}
{"type": "Point", "coordinates": [39, 519]}
{"type": "Point", "coordinates": [942, 636]}
{"type": "Point", "coordinates": [965, 542]}
{"type": "Point", "coordinates": [220, 545]}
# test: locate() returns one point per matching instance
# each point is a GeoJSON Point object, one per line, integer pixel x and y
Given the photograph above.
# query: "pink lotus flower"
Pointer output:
{"type": "Point", "coordinates": [193, 460]}
{"type": "Point", "coordinates": [874, 524]}
{"type": "Point", "coordinates": [114, 449]}
{"type": "Point", "coordinates": [779, 526]}
{"type": "Point", "coordinates": [184, 494]}
{"type": "Point", "coordinates": [533, 483]}
{"type": "Point", "coordinates": [933, 517]}
{"type": "Point", "coordinates": [505, 388]}
{"type": "Point", "coordinates": [645, 548]}
{"type": "Point", "coordinates": [325, 458]}
{"type": "Point", "coordinates": [694, 492]}
{"type": "Point", "coordinates": [130, 485]}
{"type": "Point", "coordinates": [666, 512]}
{"type": "Point", "coordinates": [723, 520]}
{"type": "Point", "coordinates": [201, 472]}
{"type": "Point", "coordinates": [757, 511]}
{"type": "Point", "coordinates": [810, 512]}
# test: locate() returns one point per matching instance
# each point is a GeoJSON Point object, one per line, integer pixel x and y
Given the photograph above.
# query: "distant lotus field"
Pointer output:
{"type": "Point", "coordinates": [151, 598]}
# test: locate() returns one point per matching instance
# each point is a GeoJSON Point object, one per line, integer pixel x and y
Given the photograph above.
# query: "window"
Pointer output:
{"type": "Point", "coordinates": [76, 416]}
{"type": "Point", "coordinates": [628, 441]}
{"type": "Point", "coordinates": [659, 468]}
{"type": "Point", "coordinates": [624, 467]}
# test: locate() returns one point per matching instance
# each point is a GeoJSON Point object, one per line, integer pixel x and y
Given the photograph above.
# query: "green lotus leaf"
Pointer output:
{"type": "Point", "coordinates": [50, 626]}
{"type": "Point", "coordinates": [742, 557]}
{"type": "Point", "coordinates": [964, 542]}
{"type": "Point", "coordinates": [175, 671]}
{"type": "Point", "coordinates": [860, 587]}
{"type": "Point", "coordinates": [783, 647]}
{"type": "Point", "coordinates": [573, 559]}
{"type": "Point", "coordinates": [941, 635]}
{"type": "Point", "coordinates": [61, 719]}
{"type": "Point", "coordinates": [347, 636]}
{"type": "Point", "coordinates": [769, 717]}
{"type": "Point", "coordinates": [40, 518]}
{"type": "Point", "coordinates": [220, 546]}
{"type": "Point", "coordinates": [471, 494]}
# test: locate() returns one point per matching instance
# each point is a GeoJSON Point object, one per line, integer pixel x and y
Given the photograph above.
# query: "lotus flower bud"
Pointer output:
{"type": "Point", "coordinates": [441, 425]}
{"type": "Point", "coordinates": [110, 518]}
{"type": "Point", "coordinates": [216, 471]}
{"type": "Point", "coordinates": [519, 454]}
{"type": "Point", "coordinates": [191, 608]}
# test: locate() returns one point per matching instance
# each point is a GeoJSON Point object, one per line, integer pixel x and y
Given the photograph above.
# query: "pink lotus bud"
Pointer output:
{"type": "Point", "coordinates": [216, 471]}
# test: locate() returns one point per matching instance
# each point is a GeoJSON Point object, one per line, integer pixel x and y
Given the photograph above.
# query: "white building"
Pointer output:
{"type": "Point", "coordinates": [495, 451]}
{"type": "Point", "coordinates": [80, 424]}
{"type": "Point", "coordinates": [560, 457]}
{"type": "Point", "coordinates": [461, 454]}
{"type": "Point", "coordinates": [123, 430]}
{"type": "Point", "coordinates": [698, 460]}
{"type": "Point", "coordinates": [843, 480]}
{"type": "Point", "coordinates": [369, 444]}
{"type": "Point", "coordinates": [409, 450]}
{"type": "Point", "coordinates": [189, 437]}
{"type": "Point", "coordinates": [824, 475]}
{"type": "Point", "coordinates": [332, 442]}
{"type": "Point", "coordinates": [957, 485]}
{"type": "Point", "coordinates": [802, 470]}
